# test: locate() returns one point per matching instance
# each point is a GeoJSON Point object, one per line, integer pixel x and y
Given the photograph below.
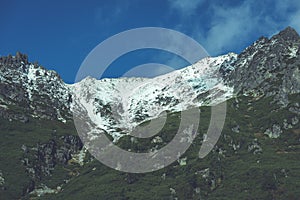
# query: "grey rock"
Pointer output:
{"type": "Point", "coordinates": [286, 125]}
{"type": "Point", "coordinates": [268, 67]}
{"type": "Point", "coordinates": [2, 180]}
{"type": "Point", "coordinates": [236, 129]}
{"type": "Point", "coordinates": [204, 173]}
{"type": "Point", "coordinates": [295, 120]}
{"type": "Point", "coordinates": [295, 110]}
{"type": "Point", "coordinates": [273, 132]}
{"type": "Point", "coordinates": [254, 147]}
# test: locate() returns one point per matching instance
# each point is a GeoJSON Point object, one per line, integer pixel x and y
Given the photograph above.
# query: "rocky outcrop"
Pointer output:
{"type": "Point", "coordinates": [41, 160]}
{"type": "Point", "coordinates": [16, 61]}
{"type": "Point", "coordinates": [254, 147]}
{"type": "Point", "coordinates": [2, 180]}
{"type": "Point", "coordinates": [273, 132]}
{"type": "Point", "coordinates": [269, 67]}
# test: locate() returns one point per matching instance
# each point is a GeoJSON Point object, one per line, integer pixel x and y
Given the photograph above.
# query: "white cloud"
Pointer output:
{"type": "Point", "coordinates": [230, 27]}
{"type": "Point", "coordinates": [186, 7]}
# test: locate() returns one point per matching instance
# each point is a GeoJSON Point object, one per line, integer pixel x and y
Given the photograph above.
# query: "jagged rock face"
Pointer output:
{"type": "Point", "coordinates": [14, 61]}
{"type": "Point", "coordinates": [28, 89]}
{"type": "Point", "coordinates": [269, 66]}
{"type": "Point", "coordinates": [41, 160]}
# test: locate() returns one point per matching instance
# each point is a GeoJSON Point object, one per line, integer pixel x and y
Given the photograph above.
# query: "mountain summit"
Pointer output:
{"type": "Point", "coordinates": [288, 34]}
{"type": "Point", "coordinates": [268, 67]}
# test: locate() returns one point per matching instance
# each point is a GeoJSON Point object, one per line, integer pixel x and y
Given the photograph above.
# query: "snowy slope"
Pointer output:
{"type": "Point", "coordinates": [119, 105]}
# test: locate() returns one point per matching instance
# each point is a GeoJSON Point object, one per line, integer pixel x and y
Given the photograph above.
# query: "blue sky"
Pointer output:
{"type": "Point", "coordinates": [60, 34]}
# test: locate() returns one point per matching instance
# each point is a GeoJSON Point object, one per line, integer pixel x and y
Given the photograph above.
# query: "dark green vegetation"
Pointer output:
{"type": "Point", "coordinates": [13, 135]}
{"type": "Point", "coordinates": [245, 163]}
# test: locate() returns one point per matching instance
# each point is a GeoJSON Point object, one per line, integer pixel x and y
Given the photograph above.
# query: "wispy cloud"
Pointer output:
{"type": "Point", "coordinates": [231, 27]}
{"type": "Point", "coordinates": [109, 13]}
{"type": "Point", "coordinates": [228, 27]}
{"type": "Point", "coordinates": [186, 7]}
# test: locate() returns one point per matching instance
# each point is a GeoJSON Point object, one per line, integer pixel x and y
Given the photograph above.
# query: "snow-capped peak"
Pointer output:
{"type": "Point", "coordinates": [123, 103]}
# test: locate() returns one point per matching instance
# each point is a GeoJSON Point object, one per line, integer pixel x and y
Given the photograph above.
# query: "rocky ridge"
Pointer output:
{"type": "Point", "coordinates": [29, 90]}
{"type": "Point", "coordinates": [267, 69]}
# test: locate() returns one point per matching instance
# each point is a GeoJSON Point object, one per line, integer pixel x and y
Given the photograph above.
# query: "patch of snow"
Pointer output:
{"type": "Point", "coordinates": [31, 80]}
{"type": "Point", "coordinates": [293, 51]}
{"type": "Point", "coordinates": [59, 117]}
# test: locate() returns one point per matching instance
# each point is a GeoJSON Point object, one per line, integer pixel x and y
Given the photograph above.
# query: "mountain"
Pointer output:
{"type": "Point", "coordinates": [42, 155]}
